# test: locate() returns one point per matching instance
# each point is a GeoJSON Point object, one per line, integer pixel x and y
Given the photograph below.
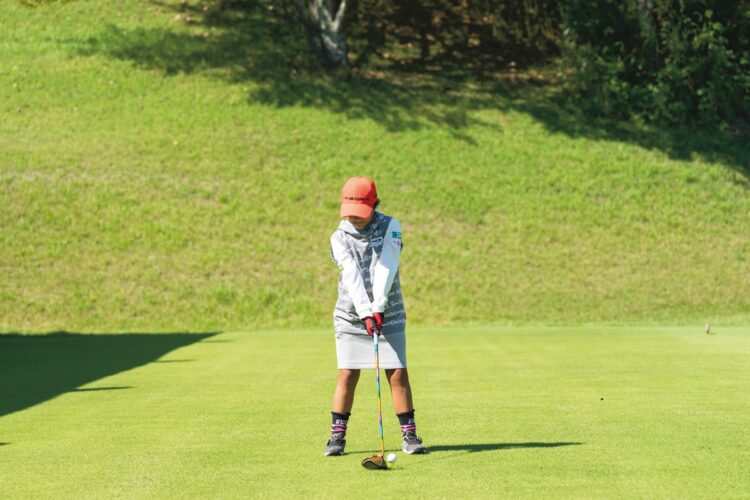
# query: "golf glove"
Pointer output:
{"type": "Point", "coordinates": [371, 326]}
{"type": "Point", "coordinates": [378, 317]}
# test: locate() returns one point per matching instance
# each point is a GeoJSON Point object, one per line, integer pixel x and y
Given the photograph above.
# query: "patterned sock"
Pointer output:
{"type": "Point", "coordinates": [339, 421]}
{"type": "Point", "coordinates": [408, 424]}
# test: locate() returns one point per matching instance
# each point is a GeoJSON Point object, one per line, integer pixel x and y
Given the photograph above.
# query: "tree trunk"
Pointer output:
{"type": "Point", "coordinates": [325, 31]}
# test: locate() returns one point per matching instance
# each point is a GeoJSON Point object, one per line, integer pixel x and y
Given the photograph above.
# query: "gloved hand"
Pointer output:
{"type": "Point", "coordinates": [378, 317]}
{"type": "Point", "coordinates": [371, 326]}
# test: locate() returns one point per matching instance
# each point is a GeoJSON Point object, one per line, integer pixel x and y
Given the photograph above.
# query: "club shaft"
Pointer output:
{"type": "Point", "coordinates": [377, 386]}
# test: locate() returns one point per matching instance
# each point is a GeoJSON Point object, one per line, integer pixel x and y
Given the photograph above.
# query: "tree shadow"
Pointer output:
{"type": "Point", "coordinates": [249, 45]}
{"type": "Point", "coordinates": [36, 368]}
{"type": "Point", "coordinates": [478, 447]}
{"type": "Point", "coordinates": [243, 42]}
{"type": "Point", "coordinates": [560, 113]}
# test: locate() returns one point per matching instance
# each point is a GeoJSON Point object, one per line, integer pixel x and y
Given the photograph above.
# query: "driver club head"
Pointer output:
{"type": "Point", "coordinates": [375, 462]}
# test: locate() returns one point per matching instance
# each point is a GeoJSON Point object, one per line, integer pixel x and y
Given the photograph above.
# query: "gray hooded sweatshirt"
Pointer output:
{"type": "Point", "coordinates": [369, 281]}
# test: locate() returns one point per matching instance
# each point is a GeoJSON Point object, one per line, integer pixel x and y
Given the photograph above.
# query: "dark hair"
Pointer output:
{"type": "Point", "coordinates": [377, 202]}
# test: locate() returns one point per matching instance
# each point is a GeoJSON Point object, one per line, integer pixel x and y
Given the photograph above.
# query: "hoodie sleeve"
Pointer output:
{"type": "Point", "coordinates": [351, 277]}
{"type": "Point", "coordinates": [387, 266]}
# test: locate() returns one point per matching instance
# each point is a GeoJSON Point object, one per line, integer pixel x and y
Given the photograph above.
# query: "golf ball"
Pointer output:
{"type": "Point", "coordinates": [391, 457]}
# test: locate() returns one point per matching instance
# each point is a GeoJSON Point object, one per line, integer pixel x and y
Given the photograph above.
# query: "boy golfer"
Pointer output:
{"type": "Point", "coordinates": [366, 247]}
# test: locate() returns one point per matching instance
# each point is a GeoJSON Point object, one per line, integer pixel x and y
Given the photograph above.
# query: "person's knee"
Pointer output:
{"type": "Point", "coordinates": [399, 377]}
{"type": "Point", "coordinates": [348, 377]}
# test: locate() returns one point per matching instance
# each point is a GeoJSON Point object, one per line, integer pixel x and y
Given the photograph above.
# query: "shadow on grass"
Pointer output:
{"type": "Point", "coordinates": [575, 118]}
{"type": "Point", "coordinates": [364, 452]}
{"type": "Point", "coordinates": [36, 368]}
{"type": "Point", "coordinates": [477, 447]}
{"type": "Point", "coordinates": [473, 448]}
{"type": "Point", "coordinates": [249, 45]}
{"type": "Point", "coordinates": [95, 389]}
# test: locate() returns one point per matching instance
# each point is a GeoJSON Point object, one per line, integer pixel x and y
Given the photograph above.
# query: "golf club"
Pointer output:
{"type": "Point", "coordinates": [377, 462]}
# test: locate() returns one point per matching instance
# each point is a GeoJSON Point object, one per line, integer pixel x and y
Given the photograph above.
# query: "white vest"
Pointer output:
{"type": "Point", "coordinates": [369, 280]}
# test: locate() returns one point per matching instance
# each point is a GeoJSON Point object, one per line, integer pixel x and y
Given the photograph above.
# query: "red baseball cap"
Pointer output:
{"type": "Point", "coordinates": [358, 197]}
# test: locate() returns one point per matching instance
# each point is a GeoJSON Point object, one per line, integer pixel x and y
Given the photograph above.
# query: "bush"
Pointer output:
{"type": "Point", "coordinates": [668, 61]}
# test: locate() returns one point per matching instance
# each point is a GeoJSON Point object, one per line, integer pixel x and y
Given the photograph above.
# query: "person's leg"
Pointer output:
{"type": "Point", "coordinates": [403, 404]}
{"type": "Point", "coordinates": [398, 378]}
{"type": "Point", "coordinates": [343, 396]}
{"type": "Point", "coordinates": [343, 399]}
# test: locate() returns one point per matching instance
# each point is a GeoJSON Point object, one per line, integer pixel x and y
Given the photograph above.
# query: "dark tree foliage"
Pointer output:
{"type": "Point", "coordinates": [666, 60]}
{"type": "Point", "coordinates": [491, 32]}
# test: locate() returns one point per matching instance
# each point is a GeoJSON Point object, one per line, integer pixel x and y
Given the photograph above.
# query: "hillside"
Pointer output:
{"type": "Point", "coordinates": [163, 170]}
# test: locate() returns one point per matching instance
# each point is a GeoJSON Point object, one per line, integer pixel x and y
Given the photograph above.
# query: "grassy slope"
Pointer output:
{"type": "Point", "coordinates": [167, 175]}
{"type": "Point", "coordinates": [514, 412]}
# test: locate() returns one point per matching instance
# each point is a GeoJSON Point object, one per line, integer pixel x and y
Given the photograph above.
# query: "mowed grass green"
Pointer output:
{"type": "Point", "coordinates": [165, 170]}
{"type": "Point", "coordinates": [508, 412]}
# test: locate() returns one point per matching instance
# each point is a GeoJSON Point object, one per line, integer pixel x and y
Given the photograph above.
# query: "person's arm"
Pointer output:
{"type": "Point", "coordinates": [352, 278]}
{"type": "Point", "coordinates": [387, 266]}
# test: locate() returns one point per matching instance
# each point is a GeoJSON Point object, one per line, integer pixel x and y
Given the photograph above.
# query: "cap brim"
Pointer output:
{"type": "Point", "coordinates": [356, 210]}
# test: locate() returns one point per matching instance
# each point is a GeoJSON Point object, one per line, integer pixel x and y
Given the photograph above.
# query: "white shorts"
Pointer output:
{"type": "Point", "coordinates": [357, 351]}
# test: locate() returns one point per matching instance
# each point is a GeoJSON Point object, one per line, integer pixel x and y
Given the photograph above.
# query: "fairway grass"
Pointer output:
{"type": "Point", "coordinates": [512, 412]}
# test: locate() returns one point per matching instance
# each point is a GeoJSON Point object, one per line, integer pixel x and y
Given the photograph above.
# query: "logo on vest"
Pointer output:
{"type": "Point", "coordinates": [376, 242]}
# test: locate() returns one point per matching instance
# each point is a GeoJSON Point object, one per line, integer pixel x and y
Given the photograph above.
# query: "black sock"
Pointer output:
{"type": "Point", "coordinates": [407, 422]}
{"type": "Point", "coordinates": [339, 421]}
